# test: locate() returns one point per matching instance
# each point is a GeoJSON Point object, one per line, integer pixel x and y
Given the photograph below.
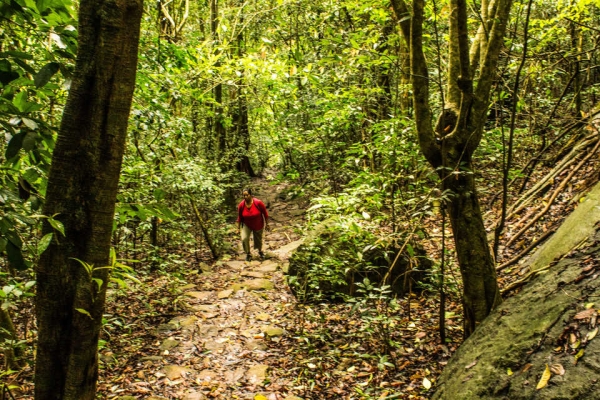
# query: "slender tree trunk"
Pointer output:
{"type": "Point", "coordinates": [82, 189]}
{"type": "Point", "coordinates": [243, 132]}
{"type": "Point", "coordinates": [218, 123]}
{"type": "Point", "coordinates": [8, 337]}
{"type": "Point", "coordinates": [576, 68]}
{"type": "Point", "coordinates": [240, 117]}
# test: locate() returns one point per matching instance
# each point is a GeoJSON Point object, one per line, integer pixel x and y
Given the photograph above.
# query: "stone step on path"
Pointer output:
{"type": "Point", "coordinates": [224, 345]}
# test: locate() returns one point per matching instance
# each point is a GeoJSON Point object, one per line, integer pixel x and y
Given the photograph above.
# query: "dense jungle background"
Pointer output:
{"type": "Point", "coordinates": [411, 156]}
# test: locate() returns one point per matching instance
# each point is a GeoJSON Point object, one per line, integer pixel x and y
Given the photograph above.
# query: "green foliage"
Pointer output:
{"type": "Point", "coordinates": [337, 249]}
{"type": "Point", "coordinates": [39, 41]}
{"type": "Point", "coordinates": [381, 315]}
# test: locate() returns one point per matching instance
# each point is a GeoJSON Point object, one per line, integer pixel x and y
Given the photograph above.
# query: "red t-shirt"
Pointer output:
{"type": "Point", "coordinates": [253, 216]}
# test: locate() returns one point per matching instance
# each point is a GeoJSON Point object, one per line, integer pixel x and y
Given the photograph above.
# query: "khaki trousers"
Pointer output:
{"type": "Point", "coordinates": [256, 235]}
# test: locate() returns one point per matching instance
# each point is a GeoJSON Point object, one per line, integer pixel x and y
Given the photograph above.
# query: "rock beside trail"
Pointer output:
{"type": "Point", "coordinates": [169, 344]}
{"type": "Point", "coordinates": [199, 295]}
{"type": "Point", "coordinates": [551, 324]}
{"type": "Point", "coordinates": [284, 252]}
{"type": "Point", "coordinates": [257, 374]}
{"type": "Point", "coordinates": [273, 331]}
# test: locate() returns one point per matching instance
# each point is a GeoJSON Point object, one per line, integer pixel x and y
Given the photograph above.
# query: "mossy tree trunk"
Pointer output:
{"type": "Point", "coordinates": [450, 145]}
{"type": "Point", "coordinates": [82, 189]}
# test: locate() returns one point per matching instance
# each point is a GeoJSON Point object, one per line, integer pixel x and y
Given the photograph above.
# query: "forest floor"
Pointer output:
{"type": "Point", "coordinates": [233, 329]}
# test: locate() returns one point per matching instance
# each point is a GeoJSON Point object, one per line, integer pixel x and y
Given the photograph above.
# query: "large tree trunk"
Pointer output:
{"type": "Point", "coordinates": [450, 146]}
{"type": "Point", "coordinates": [477, 267]}
{"type": "Point", "coordinates": [81, 193]}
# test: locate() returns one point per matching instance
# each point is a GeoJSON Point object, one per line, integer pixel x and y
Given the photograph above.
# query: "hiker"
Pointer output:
{"type": "Point", "coordinates": [252, 218]}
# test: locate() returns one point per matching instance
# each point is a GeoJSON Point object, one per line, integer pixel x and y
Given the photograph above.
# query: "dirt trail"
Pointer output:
{"type": "Point", "coordinates": [224, 342]}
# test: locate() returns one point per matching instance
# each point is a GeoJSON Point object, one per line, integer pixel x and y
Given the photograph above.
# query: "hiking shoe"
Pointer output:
{"type": "Point", "coordinates": [248, 257]}
{"type": "Point", "coordinates": [261, 255]}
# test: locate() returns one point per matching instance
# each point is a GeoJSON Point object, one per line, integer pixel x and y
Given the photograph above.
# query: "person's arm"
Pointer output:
{"type": "Point", "coordinates": [239, 218]}
{"type": "Point", "coordinates": [265, 214]}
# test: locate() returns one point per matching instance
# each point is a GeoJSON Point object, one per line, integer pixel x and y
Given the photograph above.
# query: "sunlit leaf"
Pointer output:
{"type": "Point", "coordinates": [579, 354]}
{"type": "Point", "coordinates": [426, 383]}
{"type": "Point", "coordinates": [545, 378]}
{"type": "Point", "coordinates": [557, 369]}
{"type": "Point", "coordinates": [56, 224]}
{"type": "Point", "coordinates": [591, 334]}
{"type": "Point", "coordinates": [44, 243]}
{"type": "Point", "coordinates": [84, 312]}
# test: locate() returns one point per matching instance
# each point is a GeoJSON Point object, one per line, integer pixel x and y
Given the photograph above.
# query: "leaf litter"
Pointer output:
{"type": "Point", "coordinates": [201, 333]}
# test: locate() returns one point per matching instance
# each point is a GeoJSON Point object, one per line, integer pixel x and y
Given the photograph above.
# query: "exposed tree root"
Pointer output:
{"type": "Point", "coordinates": [548, 179]}
{"type": "Point", "coordinates": [560, 188]}
{"type": "Point", "coordinates": [522, 254]}
{"type": "Point", "coordinates": [517, 284]}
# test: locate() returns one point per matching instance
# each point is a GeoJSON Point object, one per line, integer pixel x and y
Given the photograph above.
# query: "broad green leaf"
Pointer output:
{"type": "Point", "coordinates": [14, 145]}
{"type": "Point", "coordinates": [410, 250]}
{"type": "Point", "coordinates": [132, 278]}
{"type": "Point", "coordinates": [17, 54]}
{"type": "Point", "coordinates": [56, 224]}
{"type": "Point", "coordinates": [98, 282]}
{"type": "Point", "coordinates": [159, 194]}
{"type": "Point", "coordinates": [31, 124]}
{"type": "Point", "coordinates": [122, 284]}
{"type": "Point", "coordinates": [20, 101]}
{"type": "Point", "coordinates": [46, 73]}
{"type": "Point", "coordinates": [25, 66]}
{"type": "Point", "coordinates": [44, 243]}
{"type": "Point", "coordinates": [29, 141]}
{"type": "Point", "coordinates": [15, 257]}
{"type": "Point", "coordinates": [13, 237]}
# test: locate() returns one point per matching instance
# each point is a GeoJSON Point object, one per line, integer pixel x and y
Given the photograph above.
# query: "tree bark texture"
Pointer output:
{"type": "Point", "coordinates": [480, 287]}
{"type": "Point", "coordinates": [81, 193]}
{"type": "Point", "coordinates": [450, 146]}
